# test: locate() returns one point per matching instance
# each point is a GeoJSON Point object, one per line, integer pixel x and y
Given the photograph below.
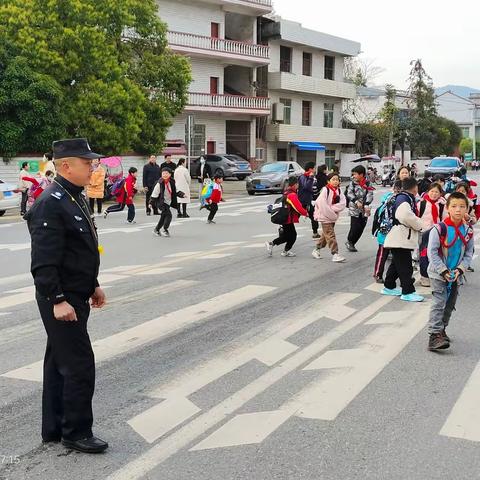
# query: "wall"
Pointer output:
{"type": "Point", "coordinates": [240, 27]}
{"type": "Point", "coordinates": [202, 70]}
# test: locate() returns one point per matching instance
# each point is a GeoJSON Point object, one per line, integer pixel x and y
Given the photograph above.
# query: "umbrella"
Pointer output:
{"type": "Point", "coordinates": [368, 158]}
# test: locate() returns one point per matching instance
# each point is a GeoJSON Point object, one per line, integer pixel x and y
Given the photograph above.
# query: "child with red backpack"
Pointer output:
{"type": "Point", "coordinates": [124, 193]}
{"type": "Point", "coordinates": [213, 198]}
{"type": "Point", "coordinates": [450, 253]}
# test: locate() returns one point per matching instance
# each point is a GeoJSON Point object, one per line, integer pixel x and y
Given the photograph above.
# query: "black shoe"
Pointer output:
{"type": "Point", "coordinates": [180, 215]}
{"type": "Point", "coordinates": [438, 341]}
{"type": "Point", "coordinates": [350, 247]}
{"type": "Point", "coordinates": [316, 235]}
{"type": "Point", "coordinates": [166, 233]}
{"type": "Point", "coordinates": [470, 269]}
{"type": "Point", "coordinates": [186, 215]}
{"type": "Point", "coordinates": [211, 222]}
{"type": "Point", "coordinates": [86, 445]}
{"type": "Point", "coordinates": [149, 213]}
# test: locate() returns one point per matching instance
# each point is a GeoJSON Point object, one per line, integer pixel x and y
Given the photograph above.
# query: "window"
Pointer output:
{"type": "Point", "coordinates": [276, 167]}
{"type": "Point", "coordinates": [198, 140]}
{"type": "Point", "coordinates": [259, 153]}
{"type": "Point", "coordinates": [285, 59]}
{"type": "Point", "coordinates": [329, 68]}
{"type": "Point", "coordinates": [329, 158]}
{"type": "Point", "coordinates": [306, 113]}
{"type": "Point", "coordinates": [287, 110]}
{"type": "Point", "coordinates": [281, 157]}
{"type": "Point", "coordinates": [307, 64]}
{"type": "Point", "coordinates": [466, 132]}
{"type": "Point", "coordinates": [328, 115]}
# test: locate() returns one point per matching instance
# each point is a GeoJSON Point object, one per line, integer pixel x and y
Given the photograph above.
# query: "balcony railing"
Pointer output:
{"type": "Point", "coordinates": [267, 3]}
{"type": "Point", "coordinates": [228, 101]}
{"type": "Point", "coordinates": [218, 45]}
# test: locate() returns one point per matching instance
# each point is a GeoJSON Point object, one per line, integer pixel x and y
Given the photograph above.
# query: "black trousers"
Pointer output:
{"type": "Point", "coordinates": [357, 226]}
{"type": "Point", "coordinates": [23, 204]}
{"type": "Point", "coordinates": [91, 201]}
{"type": "Point", "coordinates": [120, 207]}
{"type": "Point", "coordinates": [315, 225]}
{"type": "Point", "coordinates": [149, 207]}
{"type": "Point", "coordinates": [165, 217]}
{"type": "Point", "coordinates": [68, 374]}
{"type": "Point", "coordinates": [288, 236]}
{"type": "Point", "coordinates": [401, 268]}
{"type": "Point", "coordinates": [213, 209]}
{"type": "Point", "coordinates": [182, 208]}
{"type": "Point", "coordinates": [381, 260]}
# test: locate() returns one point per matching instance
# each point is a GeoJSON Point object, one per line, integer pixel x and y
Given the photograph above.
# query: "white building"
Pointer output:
{"type": "Point", "coordinates": [305, 79]}
{"type": "Point", "coordinates": [465, 112]}
{"type": "Point", "coordinates": [220, 38]}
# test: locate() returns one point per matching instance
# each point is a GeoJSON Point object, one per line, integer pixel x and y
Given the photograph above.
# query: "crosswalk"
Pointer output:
{"type": "Point", "coordinates": [330, 350]}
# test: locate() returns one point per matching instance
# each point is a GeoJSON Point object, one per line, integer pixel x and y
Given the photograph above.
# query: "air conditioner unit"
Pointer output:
{"type": "Point", "coordinates": [278, 112]}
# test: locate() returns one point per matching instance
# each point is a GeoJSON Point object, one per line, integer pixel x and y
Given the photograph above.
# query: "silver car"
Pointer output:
{"type": "Point", "coordinates": [273, 177]}
{"type": "Point", "coordinates": [10, 197]}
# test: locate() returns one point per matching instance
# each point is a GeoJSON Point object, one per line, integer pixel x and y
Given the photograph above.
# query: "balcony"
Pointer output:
{"type": "Point", "coordinates": [206, 102]}
{"type": "Point", "coordinates": [255, 6]}
{"type": "Point", "coordinates": [297, 133]}
{"type": "Point", "coordinates": [240, 52]}
{"type": "Point", "coordinates": [311, 85]}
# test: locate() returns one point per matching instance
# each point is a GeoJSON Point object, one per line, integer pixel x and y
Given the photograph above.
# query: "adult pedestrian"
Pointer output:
{"type": "Point", "coordinates": [168, 163]}
{"type": "Point", "coordinates": [403, 173]}
{"type": "Point", "coordinates": [65, 265]}
{"type": "Point", "coordinates": [322, 178]}
{"type": "Point", "coordinates": [96, 187]}
{"type": "Point", "coordinates": [151, 175]}
{"type": "Point", "coordinates": [182, 182]}
{"type": "Point", "coordinates": [165, 195]}
{"type": "Point", "coordinates": [125, 196]}
{"type": "Point", "coordinates": [306, 192]}
{"type": "Point", "coordinates": [24, 185]}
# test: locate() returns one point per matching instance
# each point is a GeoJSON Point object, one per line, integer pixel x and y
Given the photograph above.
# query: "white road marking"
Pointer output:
{"type": "Point", "coordinates": [15, 247]}
{"type": "Point", "coordinates": [256, 245]}
{"type": "Point", "coordinates": [204, 422]}
{"type": "Point", "coordinates": [229, 244]}
{"type": "Point", "coordinates": [265, 235]}
{"type": "Point", "coordinates": [215, 256]}
{"type": "Point", "coordinates": [16, 299]}
{"type": "Point", "coordinates": [122, 268]}
{"type": "Point", "coordinates": [183, 254]}
{"type": "Point", "coordinates": [464, 419]}
{"type": "Point", "coordinates": [15, 278]}
{"type": "Point", "coordinates": [154, 330]}
{"type": "Point", "coordinates": [159, 271]}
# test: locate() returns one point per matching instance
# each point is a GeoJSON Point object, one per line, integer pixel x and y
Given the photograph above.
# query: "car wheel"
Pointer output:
{"type": "Point", "coordinates": [219, 171]}
{"type": "Point", "coordinates": [251, 192]}
{"type": "Point", "coordinates": [242, 177]}
{"type": "Point", "coordinates": [2, 213]}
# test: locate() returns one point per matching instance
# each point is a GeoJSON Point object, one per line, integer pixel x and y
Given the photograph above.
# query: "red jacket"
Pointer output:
{"type": "Point", "coordinates": [128, 191]}
{"type": "Point", "coordinates": [216, 196]}
{"type": "Point", "coordinates": [296, 208]}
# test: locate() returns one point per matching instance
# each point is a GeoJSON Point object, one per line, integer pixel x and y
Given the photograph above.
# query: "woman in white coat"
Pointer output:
{"type": "Point", "coordinates": [182, 181]}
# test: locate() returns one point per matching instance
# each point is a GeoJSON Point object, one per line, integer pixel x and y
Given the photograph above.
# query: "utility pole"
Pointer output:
{"type": "Point", "coordinates": [474, 124]}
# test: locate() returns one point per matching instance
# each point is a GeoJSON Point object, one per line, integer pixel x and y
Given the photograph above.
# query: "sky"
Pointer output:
{"type": "Point", "coordinates": [444, 34]}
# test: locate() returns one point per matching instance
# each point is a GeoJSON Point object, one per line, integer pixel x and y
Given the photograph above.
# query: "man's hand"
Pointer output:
{"type": "Point", "coordinates": [359, 204]}
{"type": "Point", "coordinates": [98, 299]}
{"type": "Point", "coordinates": [64, 312]}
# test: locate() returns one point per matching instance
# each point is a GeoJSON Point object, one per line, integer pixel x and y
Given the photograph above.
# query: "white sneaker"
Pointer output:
{"type": "Point", "coordinates": [288, 254]}
{"type": "Point", "coordinates": [269, 247]}
{"type": "Point", "coordinates": [316, 254]}
{"type": "Point", "coordinates": [337, 258]}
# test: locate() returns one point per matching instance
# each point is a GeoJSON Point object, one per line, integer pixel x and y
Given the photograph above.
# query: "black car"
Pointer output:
{"type": "Point", "coordinates": [227, 165]}
{"type": "Point", "coordinates": [445, 166]}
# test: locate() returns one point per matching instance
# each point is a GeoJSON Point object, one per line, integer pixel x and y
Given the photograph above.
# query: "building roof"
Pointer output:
{"type": "Point", "coordinates": [294, 32]}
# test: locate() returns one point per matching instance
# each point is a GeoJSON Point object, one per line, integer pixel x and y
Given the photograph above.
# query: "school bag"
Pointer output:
{"type": "Point", "coordinates": [207, 191]}
{"type": "Point", "coordinates": [118, 186]}
{"type": "Point", "coordinates": [383, 219]}
{"type": "Point", "coordinates": [423, 206]}
{"type": "Point", "coordinates": [279, 211]}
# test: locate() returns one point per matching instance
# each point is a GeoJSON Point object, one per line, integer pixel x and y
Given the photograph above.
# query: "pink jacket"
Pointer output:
{"type": "Point", "coordinates": [427, 217]}
{"type": "Point", "coordinates": [325, 210]}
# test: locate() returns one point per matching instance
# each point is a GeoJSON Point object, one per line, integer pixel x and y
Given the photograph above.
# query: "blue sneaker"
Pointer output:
{"type": "Point", "coordinates": [393, 292]}
{"type": "Point", "coordinates": [412, 297]}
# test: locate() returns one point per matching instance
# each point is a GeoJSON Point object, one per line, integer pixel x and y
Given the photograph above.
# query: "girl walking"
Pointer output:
{"type": "Point", "coordinates": [328, 206]}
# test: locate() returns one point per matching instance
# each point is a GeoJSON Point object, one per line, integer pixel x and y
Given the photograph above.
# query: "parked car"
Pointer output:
{"type": "Point", "coordinates": [228, 165]}
{"type": "Point", "coordinates": [273, 177]}
{"type": "Point", "coordinates": [10, 197]}
{"type": "Point", "coordinates": [445, 166]}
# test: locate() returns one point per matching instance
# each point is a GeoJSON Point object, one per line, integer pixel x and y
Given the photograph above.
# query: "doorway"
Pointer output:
{"type": "Point", "coordinates": [211, 147]}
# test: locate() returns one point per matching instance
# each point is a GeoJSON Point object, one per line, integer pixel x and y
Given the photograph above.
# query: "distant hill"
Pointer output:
{"type": "Point", "coordinates": [457, 90]}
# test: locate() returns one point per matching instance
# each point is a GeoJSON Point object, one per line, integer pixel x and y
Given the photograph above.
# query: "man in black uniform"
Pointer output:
{"type": "Point", "coordinates": [151, 175]}
{"type": "Point", "coordinates": [65, 264]}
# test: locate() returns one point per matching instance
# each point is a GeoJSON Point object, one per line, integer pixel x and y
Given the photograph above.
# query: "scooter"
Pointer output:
{"type": "Point", "coordinates": [388, 178]}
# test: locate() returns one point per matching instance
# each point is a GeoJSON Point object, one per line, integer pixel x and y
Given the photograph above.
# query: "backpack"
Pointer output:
{"type": "Point", "coordinates": [383, 219]}
{"type": "Point", "coordinates": [423, 185]}
{"type": "Point", "coordinates": [118, 186]}
{"type": "Point", "coordinates": [279, 211]}
{"type": "Point", "coordinates": [423, 206]}
{"type": "Point", "coordinates": [206, 191]}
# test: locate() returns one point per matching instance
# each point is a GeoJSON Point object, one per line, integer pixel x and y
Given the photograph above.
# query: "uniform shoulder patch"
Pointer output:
{"type": "Point", "coordinates": [57, 194]}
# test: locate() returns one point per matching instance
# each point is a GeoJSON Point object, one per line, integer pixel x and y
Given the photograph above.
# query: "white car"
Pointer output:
{"type": "Point", "coordinates": [10, 197]}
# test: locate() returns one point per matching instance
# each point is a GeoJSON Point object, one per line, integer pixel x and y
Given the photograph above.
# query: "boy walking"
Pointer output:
{"type": "Point", "coordinates": [402, 240]}
{"type": "Point", "coordinates": [306, 191]}
{"type": "Point", "coordinates": [360, 196]}
{"type": "Point", "coordinates": [125, 197]}
{"type": "Point", "coordinates": [450, 252]}
{"type": "Point", "coordinates": [215, 199]}
{"type": "Point", "coordinates": [164, 195]}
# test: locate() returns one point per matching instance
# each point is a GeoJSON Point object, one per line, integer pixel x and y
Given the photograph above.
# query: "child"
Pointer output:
{"type": "Point", "coordinates": [96, 188]}
{"type": "Point", "coordinates": [450, 251]}
{"type": "Point", "coordinates": [464, 187]}
{"type": "Point", "coordinates": [328, 206]}
{"type": "Point", "coordinates": [382, 252]}
{"type": "Point", "coordinates": [214, 199]}
{"type": "Point", "coordinates": [288, 233]}
{"type": "Point", "coordinates": [125, 196]}
{"type": "Point", "coordinates": [360, 196]}
{"type": "Point", "coordinates": [164, 196]}
{"type": "Point", "coordinates": [402, 240]}
{"type": "Point", "coordinates": [432, 211]}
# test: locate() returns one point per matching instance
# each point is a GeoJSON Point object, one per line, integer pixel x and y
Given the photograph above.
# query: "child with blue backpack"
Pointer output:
{"type": "Point", "coordinates": [450, 253]}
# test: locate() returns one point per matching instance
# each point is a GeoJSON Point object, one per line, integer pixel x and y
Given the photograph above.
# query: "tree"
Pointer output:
{"type": "Point", "coordinates": [466, 146]}
{"type": "Point", "coordinates": [361, 71]}
{"type": "Point", "coordinates": [103, 54]}
{"type": "Point", "coordinates": [389, 115]}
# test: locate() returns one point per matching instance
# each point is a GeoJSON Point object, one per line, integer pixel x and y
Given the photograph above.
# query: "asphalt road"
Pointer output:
{"type": "Point", "coordinates": [215, 362]}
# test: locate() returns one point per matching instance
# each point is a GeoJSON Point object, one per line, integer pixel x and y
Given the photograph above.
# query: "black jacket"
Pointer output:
{"type": "Point", "coordinates": [160, 200]}
{"type": "Point", "coordinates": [306, 190]}
{"type": "Point", "coordinates": [172, 166]}
{"type": "Point", "coordinates": [151, 174]}
{"type": "Point", "coordinates": [65, 257]}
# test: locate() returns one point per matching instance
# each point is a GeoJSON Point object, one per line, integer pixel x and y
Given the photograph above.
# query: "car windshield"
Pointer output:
{"type": "Point", "coordinates": [234, 158]}
{"type": "Point", "coordinates": [444, 163]}
{"type": "Point", "coordinates": [274, 168]}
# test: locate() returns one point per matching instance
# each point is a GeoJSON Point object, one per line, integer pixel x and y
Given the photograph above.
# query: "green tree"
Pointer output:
{"type": "Point", "coordinates": [466, 146]}
{"type": "Point", "coordinates": [389, 116]}
{"type": "Point", "coordinates": [111, 61]}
